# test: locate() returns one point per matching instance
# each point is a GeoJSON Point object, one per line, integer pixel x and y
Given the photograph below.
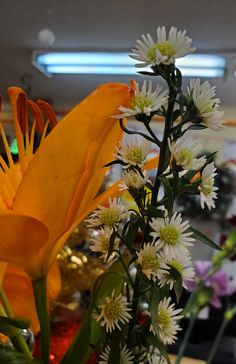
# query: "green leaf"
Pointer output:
{"type": "Point", "coordinates": [204, 239]}
{"type": "Point", "coordinates": [168, 191]}
{"type": "Point", "coordinates": [178, 282]}
{"type": "Point", "coordinates": [11, 356]}
{"type": "Point", "coordinates": [114, 357]}
{"type": "Point", "coordinates": [155, 341]}
{"type": "Point", "coordinates": [111, 244]}
{"type": "Point", "coordinates": [18, 323]}
{"type": "Point", "coordinates": [175, 114]}
{"type": "Point", "coordinates": [197, 127]}
{"type": "Point", "coordinates": [154, 212]}
{"type": "Point", "coordinates": [133, 226]}
{"type": "Point", "coordinates": [91, 333]}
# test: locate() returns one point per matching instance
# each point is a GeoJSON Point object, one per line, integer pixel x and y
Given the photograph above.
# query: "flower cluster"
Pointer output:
{"type": "Point", "coordinates": [160, 261]}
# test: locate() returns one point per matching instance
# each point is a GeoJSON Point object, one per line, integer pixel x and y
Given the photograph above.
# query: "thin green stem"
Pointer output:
{"type": "Point", "coordinates": [217, 341]}
{"type": "Point", "coordinates": [40, 298]}
{"type": "Point", "coordinates": [17, 340]}
{"type": "Point", "coordinates": [163, 160]}
{"type": "Point", "coordinates": [151, 132]}
{"type": "Point", "coordinates": [5, 303]}
{"type": "Point", "coordinates": [185, 339]}
{"type": "Point", "coordinates": [134, 307]}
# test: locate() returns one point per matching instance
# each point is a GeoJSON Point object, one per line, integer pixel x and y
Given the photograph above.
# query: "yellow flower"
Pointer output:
{"type": "Point", "coordinates": [56, 187]}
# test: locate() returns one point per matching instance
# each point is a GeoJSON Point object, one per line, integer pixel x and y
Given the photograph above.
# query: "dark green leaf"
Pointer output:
{"type": "Point", "coordinates": [155, 341]}
{"type": "Point", "coordinates": [204, 239]}
{"type": "Point", "coordinates": [145, 73]}
{"type": "Point", "coordinates": [91, 333]}
{"type": "Point", "coordinates": [114, 357]}
{"type": "Point", "coordinates": [111, 244]}
{"type": "Point", "coordinates": [178, 282]}
{"type": "Point", "coordinates": [133, 226]}
{"type": "Point", "coordinates": [175, 114]}
{"type": "Point", "coordinates": [153, 212]}
{"type": "Point", "coordinates": [197, 127]}
{"type": "Point", "coordinates": [10, 356]}
{"type": "Point", "coordinates": [18, 323]}
{"type": "Point", "coordinates": [168, 192]}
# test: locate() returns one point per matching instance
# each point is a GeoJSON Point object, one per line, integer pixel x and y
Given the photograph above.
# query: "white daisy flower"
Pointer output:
{"type": "Point", "coordinates": [207, 188]}
{"type": "Point", "coordinates": [185, 151]}
{"type": "Point", "coordinates": [110, 215]}
{"type": "Point", "coordinates": [132, 180]}
{"type": "Point", "coordinates": [171, 234]}
{"type": "Point", "coordinates": [151, 263]}
{"type": "Point", "coordinates": [165, 50]}
{"type": "Point", "coordinates": [134, 152]}
{"type": "Point", "coordinates": [144, 101]}
{"type": "Point", "coordinates": [154, 356]}
{"type": "Point", "coordinates": [167, 316]}
{"type": "Point", "coordinates": [100, 242]}
{"type": "Point", "coordinates": [182, 263]}
{"type": "Point", "coordinates": [114, 311]}
{"type": "Point", "coordinates": [126, 356]}
{"type": "Point", "coordinates": [207, 106]}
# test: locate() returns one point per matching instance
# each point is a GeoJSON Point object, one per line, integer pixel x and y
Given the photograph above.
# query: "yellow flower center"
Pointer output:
{"type": "Point", "coordinates": [169, 234]}
{"type": "Point", "coordinates": [184, 157]}
{"type": "Point", "coordinates": [207, 186]}
{"type": "Point", "coordinates": [134, 155]}
{"type": "Point", "coordinates": [141, 101]}
{"type": "Point", "coordinates": [177, 265]}
{"type": "Point", "coordinates": [150, 262]}
{"type": "Point", "coordinates": [165, 48]}
{"type": "Point", "coordinates": [109, 216]}
{"type": "Point", "coordinates": [112, 310]}
{"type": "Point", "coordinates": [163, 319]}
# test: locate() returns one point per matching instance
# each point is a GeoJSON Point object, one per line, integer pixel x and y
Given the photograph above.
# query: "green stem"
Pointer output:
{"type": "Point", "coordinates": [185, 339]}
{"type": "Point", "coordinates": [17, 340]}
{"type": "Point", "coordinates": [40, 298]}
{"type": "Point", "coordinates": [151, 132]}
{"type": "Point", "coordinates": [134, 307]}
{"type": "Point", "coordinates": [164, 151]}
{"type": "Point", "coordinates": [5, 303]}
{"type": "Point", "coordinates": [217, 340]}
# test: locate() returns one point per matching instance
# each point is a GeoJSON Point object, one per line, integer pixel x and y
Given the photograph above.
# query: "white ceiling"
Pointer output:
{"type": "Point", "coordinates": [104, 25]}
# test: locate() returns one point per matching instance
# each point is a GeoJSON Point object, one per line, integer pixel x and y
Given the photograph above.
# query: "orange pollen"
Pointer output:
{"type": "Point", "coordinates": [22, 114]}
{"type": "Point", "coordinates": [133, 88]}
{"type": "Point", "coordinates": [38, 115]}
{"type": "Point", "coordinates": [197, 175]}
{"type": "Point", "coordinates": [49, 112]}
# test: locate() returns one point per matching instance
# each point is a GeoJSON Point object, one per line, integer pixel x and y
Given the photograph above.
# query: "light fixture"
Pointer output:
{"type": "Point", "coordinates": [119, 63]}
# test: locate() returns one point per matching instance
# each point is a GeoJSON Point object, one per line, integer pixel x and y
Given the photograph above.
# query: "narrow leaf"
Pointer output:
{"type": "Point", "coordinates": [204, 239]}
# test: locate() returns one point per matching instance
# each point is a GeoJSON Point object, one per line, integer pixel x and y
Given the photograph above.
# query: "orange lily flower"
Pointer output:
{"type": "Point", "coordinates": [56, 187]}
{"type": "Point", "coordinates": [19, 291]}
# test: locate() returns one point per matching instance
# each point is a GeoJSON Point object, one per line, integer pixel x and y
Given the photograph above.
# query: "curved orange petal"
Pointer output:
{"type": "Point", "coordinates": [57, 178]}
{"type": "Point", "coordinates": [22, 238]}
{"type": "Point", "coordinates": [19, 291]}
{"type": "Point", "coordinates": [3, 267]}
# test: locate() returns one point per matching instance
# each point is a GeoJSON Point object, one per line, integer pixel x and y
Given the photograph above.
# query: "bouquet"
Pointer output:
{"type": "Point", "coordinates": [133, 314]}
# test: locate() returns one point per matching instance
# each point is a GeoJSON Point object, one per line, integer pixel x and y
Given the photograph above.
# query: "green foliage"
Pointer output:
{"type": "Point", "coordinates": [10, 356]}
{"type": "Point", "coordinates": [204, 239]}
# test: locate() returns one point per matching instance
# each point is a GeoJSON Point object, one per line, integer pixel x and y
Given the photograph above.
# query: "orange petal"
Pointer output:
{"type": "Point", "coordinates": [18, 288]}
{"type": "Point", "coordinates": [3, 267]}
{"type": "Point", "coordinates": [51, 182]}
{"type": "Point", "coordinates": [22, 238]}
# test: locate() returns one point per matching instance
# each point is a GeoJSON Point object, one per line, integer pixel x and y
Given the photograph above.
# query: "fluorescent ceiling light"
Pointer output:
{"type": "Point", "coordinates": [119, 63]}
